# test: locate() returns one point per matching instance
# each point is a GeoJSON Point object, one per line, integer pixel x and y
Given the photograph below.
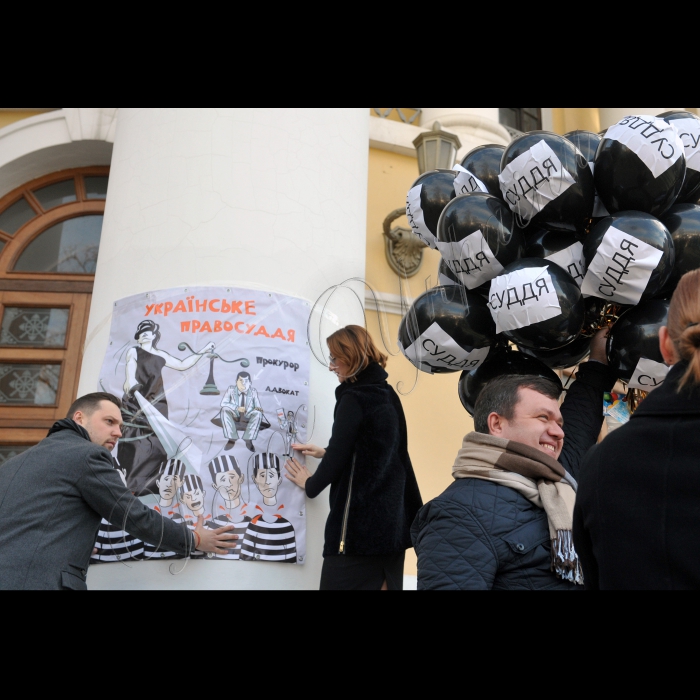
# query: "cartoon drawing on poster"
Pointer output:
{"type": "Point", "coordinates": [227, 506]}
{"type": "Point", "coordinates": [269, 535]}
{"type": "Point", "coordinates": [288, 424]}
{"type": "Point", "coordinates": [140, 451]}
{"type": "Point", "coordinates": [241, 415]}
{"type": "Point", "coordinates": [195, 432]}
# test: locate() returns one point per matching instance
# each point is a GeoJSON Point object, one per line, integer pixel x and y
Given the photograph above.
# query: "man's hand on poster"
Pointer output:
{"type": "Point", "coordinates": [309, 450]}
{"type": "Point", "coordinates": [218, 541]}
{"type": "Point", "coordinates": [298, 473]}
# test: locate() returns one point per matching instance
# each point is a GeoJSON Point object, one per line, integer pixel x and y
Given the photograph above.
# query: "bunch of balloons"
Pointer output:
{"type": "Point", "coordinates": [550, 238]}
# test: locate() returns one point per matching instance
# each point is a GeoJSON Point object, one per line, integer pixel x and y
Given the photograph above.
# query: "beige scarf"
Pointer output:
{"type": "Point", "coordinates": [538, 477]}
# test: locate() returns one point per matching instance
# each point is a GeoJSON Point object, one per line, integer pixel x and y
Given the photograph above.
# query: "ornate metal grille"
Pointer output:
{"type": "Point", "coordinates": [29, 384]}
{"type": "Point", "coordinates": [385, 112]}
{"type": "Point", "coordinates": [36, 328]}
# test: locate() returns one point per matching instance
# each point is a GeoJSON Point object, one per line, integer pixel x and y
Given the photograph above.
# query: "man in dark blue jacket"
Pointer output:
{"type": "Point", "coordinates": [506, 520]}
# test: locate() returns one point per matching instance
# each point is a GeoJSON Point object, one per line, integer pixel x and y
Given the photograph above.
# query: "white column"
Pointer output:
{"type": "Point", "coordinates": [612, 115]}
{"type": "Point", "coordinates": [475, 126]}
{"type": "Point", "coordinates": [272, 199]}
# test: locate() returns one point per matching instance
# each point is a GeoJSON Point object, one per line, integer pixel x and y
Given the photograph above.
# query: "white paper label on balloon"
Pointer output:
{"type": "Point", "coordinates": [466, 182]}
{"type": "Point", "coordinates": [572, 260]}
{"type": "Point", "coordinates": [444, 280]}
{"type": "Point", "coordinates": [599, 209]}
{"type": "Point", "coordinates": [688, 131]}
{"type": "Point", "coordinates": [523, 297]}
{"type": "Point", "coordinates": [470, 259]}
{"type": "Point", "coordinates": [621, 268]}
{"type": "Point", "coordinates": [655, 141]}
{"type": "Point", "coordinates": [533, 180]}
{"type": "Point", "coordinates": [434, 349]}
{"type": "Point", "coordinates": [416, 219]}
{"type": "Point", "coordinates": [648, 374]}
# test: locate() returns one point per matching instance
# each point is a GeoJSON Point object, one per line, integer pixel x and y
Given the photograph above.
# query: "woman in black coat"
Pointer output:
{"type": "Point", "coordinates": [374, 494]}
{"type": "Point", "coordinates": [637, 513]}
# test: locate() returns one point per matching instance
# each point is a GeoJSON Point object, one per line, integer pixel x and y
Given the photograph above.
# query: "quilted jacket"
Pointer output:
{"type": "Point", "coordinates": [481, 535]}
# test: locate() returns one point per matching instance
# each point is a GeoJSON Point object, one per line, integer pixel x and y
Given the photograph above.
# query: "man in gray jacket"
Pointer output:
{"type": "Point", "coordinates": [53, 495]}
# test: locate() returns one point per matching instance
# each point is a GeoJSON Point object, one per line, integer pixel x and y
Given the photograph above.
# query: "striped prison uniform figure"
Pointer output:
{"type": "Point", "coordinates": [170, 476]}
{"type": "Point", "coordinates": [227, 478]}
{"type": "Point", "coordinates": [240, 527]}
{"type": "Point", "coordinates": [192, 495]}
{"type": "Point", "coordinates": [153, 551]}
{"type": "Point", "coordinates": [115, 544]}
{"type": "Point", "coordinates": [269, 541]}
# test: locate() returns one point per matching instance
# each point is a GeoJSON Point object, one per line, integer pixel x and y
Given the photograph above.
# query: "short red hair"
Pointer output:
{"type": "Point", "coordinates": [354, 346]}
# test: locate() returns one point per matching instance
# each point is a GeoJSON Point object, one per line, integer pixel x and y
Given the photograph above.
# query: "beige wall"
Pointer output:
{"type": "Point", "coordinates": [565, 119]}
{"type": "Point", "coordinates": [435, 417]}
{"type": "Point", "coordinates": [9, 116]}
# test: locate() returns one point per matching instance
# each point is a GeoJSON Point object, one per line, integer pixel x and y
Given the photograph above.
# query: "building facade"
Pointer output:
{"type": "Point", "coordinates": [100, 203]}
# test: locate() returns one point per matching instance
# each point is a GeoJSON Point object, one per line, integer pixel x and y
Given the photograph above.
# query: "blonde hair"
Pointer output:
{"type": "Point", "coordinates": [684, 325]}
{"type": "Point", "coordinates": [354, 346]}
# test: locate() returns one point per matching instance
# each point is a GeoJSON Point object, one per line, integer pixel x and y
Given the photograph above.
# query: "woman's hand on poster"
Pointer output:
{"type": "Point", "coordinates": [209, 347]}
{"type": "Point", "coordinates": [298, 473]}
{"type": "Point", "coordinates": [309, 450]}
{"type": "Point", "coordinates": [218, 541]}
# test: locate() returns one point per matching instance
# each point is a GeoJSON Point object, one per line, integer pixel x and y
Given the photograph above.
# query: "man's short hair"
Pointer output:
{"type": "Point", "coordinates": [173, 467]}
{"type": "Point", "coordinates": [221, 464]}
{"type": "Point", "coordinates": [500, 395]}
{"type": "Point", "coordinates": [89, 403]}
{"type": "Point", "coordinates": [266, 460]}
{"type": "Point", "coordinates": [244, 375]}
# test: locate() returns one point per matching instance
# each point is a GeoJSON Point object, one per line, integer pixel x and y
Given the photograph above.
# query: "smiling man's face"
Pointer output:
{"type": "Point", "coordinates": [537, 421]}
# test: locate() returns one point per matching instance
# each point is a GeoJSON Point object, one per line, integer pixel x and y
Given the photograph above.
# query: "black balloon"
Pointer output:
{"type": "Point", "coordinates": [638, 225]}
{"type": "Point", "coordinates": [623, 180]}
{"type": "Point", "coordinates": [553, 332]}
{"type": "Point", "coordinates": [587, 142]}
{"type": "Point", "coordinates": [635, 335]}
{"type": "Point", "coordinates": [446, 276]}
{"type": "Point", "coordinates": [543, 242]}
{"type": "Point", "coordinates": [691, 185]}
{"type": "Point", "coordinates": [459, 313]}
{"type": "Point", "coordinates": [572, 209]}
{"type": "Point", "coordinates": [436, 191]}
{"type": "Point", "coordinates": [465, 215]}
{"type": "Point", "coordinates": [485, 163]}
{"type": "Point", "coordinates": [560, 358]}
{"type": "Point", "coordinates": [501, 360]}
{"type": "Point", "coordinates": [445, 272]}
{"type": "Point", "coordinates": [683, 223]}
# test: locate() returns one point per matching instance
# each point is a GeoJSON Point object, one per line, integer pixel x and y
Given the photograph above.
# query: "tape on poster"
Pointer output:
{"type": "Point", "coordinates": [619, 256]}
{"type": "Point", "coordinates": [571, 259]}
{"type": "Point", "coordinates": [648, 374]}
{"type": "Point", "coordinates": [466, 182]}
{"type": "Point", "coordinates": [416, 218]}
{"type": "Point", "coordinates": [523, 297]}
{"type": "Point", "coordinates": [533, 180]}
{"type": "Point", "coordinates": [653, 140]}
{"type": "Point", "coordinates": [688, 131]}
{"type": "Point", "coordinates": [470, 259]}
{"type": "Point", "coordinates": [434, 349]}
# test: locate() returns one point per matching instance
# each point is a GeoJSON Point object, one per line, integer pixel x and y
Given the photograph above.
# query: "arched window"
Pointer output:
{"type": "Point", "coordinates": [49, 241]}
